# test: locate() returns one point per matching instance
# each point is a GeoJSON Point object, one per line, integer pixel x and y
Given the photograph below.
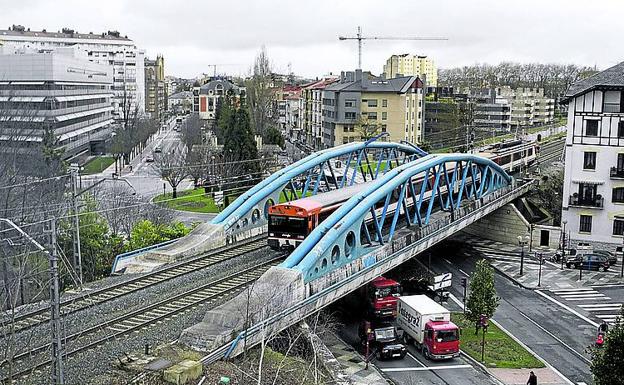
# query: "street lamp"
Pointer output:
{"type": "Point", "coordinates": [522, 241]}
{"type": "Point", "coordinates": [563, 243]}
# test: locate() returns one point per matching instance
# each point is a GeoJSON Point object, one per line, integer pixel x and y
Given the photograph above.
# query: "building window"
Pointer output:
{"type": "Point", "coordinates": [372, 116]}
{"type": "Point", "coordinates": [384, 116]}
{"type": "Point", "coordinates": [618, 195]}
{"type": "Point", "coordinates": [384, 128]}
{"type": "Point", "coordinates": [406, 128]}
{"type": "Point", "coordinates": [345, 129]}
{"type": "Point", "coordinates": [585, 224]}
{"type": "Point", "coordinates": [591, 128]}
{"type": "Point", "coordinates": [618, 226]}
{"type": "Point", "coordinates": [372, 102]}
{"type": "Point", "coordinates": [350, 115]}
{"type": "Point", "coordinates": [350, 103]}
{"type": "Point", "coordinates": [384, 102]}
{"type": "Point", "coordinates": [589, 161]}
{"type": "Point", "coordinates": [612, 101]}
{"type": "Point", "coordinates": [621, 129]}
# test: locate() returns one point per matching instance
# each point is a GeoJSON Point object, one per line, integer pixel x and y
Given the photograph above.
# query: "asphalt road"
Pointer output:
{"type": "Point", "coordinates": [554, 333]}
{"type": "Point", "coordinates": [413, 369]}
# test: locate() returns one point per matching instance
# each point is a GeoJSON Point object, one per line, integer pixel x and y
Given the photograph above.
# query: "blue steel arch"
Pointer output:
{"type": "Point", "coordinates": [249, 209]}
{"type": "Point", "coordinates": [339, 239]}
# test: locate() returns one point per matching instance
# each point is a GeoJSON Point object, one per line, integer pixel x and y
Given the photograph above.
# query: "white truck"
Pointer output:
{"type": "Point", "coordinates": [429, 326]}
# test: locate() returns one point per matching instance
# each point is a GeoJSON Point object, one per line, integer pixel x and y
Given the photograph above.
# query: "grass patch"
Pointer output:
{"type": "Point", "coordinates": [194, 200]}
{"type": "Point", "coordinates": [97, 164]}
{"type": "Point", "coordinates": [501, 351]}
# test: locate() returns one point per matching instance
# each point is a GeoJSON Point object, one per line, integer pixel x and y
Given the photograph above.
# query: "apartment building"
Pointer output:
{"type": "Point", "coordinates": [412, 65]}
{"type": "Point", "coordinates": [211, 93]}
{"type": "Point", "coordinates": [58, 91]}
{"type": "Point", "coordinates": [361, 105]}
{"type": "Point", "coordinates": [529, 106]}
{"type": "Point", "coordinates": [288, 101]}
{"type": "Point", "coordinates": [311, 111]}
{"type": "Point", "coordinates": [180, 102]}
{"type": "Point", "coordinates": [155, 87]}
{"type": "Point", "coordinates": [593, 190]}
{"type": "Point", "coordinates": [108, 48]}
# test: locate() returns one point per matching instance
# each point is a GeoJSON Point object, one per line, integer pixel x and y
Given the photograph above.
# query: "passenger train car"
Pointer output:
{"type": "Point", "coordinates": [291, 222]}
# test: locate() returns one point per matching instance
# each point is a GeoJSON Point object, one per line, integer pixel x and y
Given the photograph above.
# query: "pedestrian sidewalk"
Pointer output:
{"type": "Point", "coordinates": [506, 259]}
{"type": "Point", "coordinates": [520, 376]}
{"type": "Point", "coordinates": [352, 362]}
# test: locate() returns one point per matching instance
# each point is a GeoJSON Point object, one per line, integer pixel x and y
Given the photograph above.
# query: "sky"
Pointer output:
{"type": "Point", "coordinates": [302, 35]}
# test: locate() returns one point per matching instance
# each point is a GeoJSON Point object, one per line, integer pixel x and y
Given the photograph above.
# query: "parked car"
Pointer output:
{"type": "Point", "coordinates": [149, 159]}
{"type": "Point", "coordinates": [569, 256]}
{"type": "Point", "coordinates": [610, 256]}
{"type": "Point", "coordinates": [157, 149]}
{"type": "Point", "coordinates": [591, 262]}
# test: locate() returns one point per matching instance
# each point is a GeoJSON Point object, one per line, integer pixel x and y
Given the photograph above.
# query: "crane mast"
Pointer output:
{"type": "Point", "coordinates": [359, 39]}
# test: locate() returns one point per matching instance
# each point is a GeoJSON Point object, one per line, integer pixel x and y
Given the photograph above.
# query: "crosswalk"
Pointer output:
{"type": "Point", "coordinates": [598, 304]}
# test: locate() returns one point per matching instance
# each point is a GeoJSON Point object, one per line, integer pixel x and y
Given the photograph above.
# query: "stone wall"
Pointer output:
{"type": "Point", "coordinates": [503, 225]}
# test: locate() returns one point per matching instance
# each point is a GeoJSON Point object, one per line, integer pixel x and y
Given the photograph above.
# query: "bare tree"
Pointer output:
{"type": "Point", "coordinates": [192, 132]}
{"type": "Point", "coordinates": [172, 167]}
{"type": "Point", "coordinates": [367, 128]}
{"type": "Point", "coordinates": [260, 98]}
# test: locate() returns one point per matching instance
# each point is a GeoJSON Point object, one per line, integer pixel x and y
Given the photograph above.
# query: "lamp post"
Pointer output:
{"type": "Point", "coordinates": [541, 261]}
{"type": "Point", "coordinates": [522, 241]}
{"type": "Point", "coordinates": [563, 243]}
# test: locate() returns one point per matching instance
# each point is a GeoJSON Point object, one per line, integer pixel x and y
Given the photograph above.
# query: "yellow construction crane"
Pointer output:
{"type": "Point", "coordinates": [359, 38]}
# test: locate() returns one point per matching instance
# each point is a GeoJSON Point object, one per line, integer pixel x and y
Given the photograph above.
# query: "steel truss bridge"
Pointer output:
{"type": "Point", "coordinates": [412, 200]}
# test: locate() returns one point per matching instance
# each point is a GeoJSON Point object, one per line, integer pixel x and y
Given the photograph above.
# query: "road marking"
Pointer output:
{"type": "Point", "coordinates": [415, 359]}
{"type": "Point", "coordinates": [581, 383]}
{"type": "Point", "coordinates": [464, 273]}
{"type": "Point", "coordinates": [586, 298]}
{"type": "Point", "coordinates": [593, 295]}
{"type": "Point", "coordinates": [566, 307]}
{"type": "Point", "coordinates": [555, 337]}
{"type": "Point", "coordinates": [608, 285]}
{"type": "Point", "coordinates": [569, 290]}
{"type": "Point", "coordinates": [420, 368]}
{"type": "Point", "coordinates": [600, 305]}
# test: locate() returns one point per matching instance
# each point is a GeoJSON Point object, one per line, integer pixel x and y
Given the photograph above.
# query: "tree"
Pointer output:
{"type": "Point", "coordinates": [260, 95]}
{"type": "Point", "coordinates": [145, 233]}
{"type": "Point", "coordinates": [274, 136]}
{"type": "Point", "coordinates": [482, 298]}
{"type": "Point", "coordinates": [549, 193]}
{"type": "Point", "coordinates": [607, 363]}
{"type": "Point", "coordinates": [191, 131]}
{"type": "Point", "coordinates": [172, 167]}
{"type": "Point", "coordinates": [367, 128]}
{"type": "Point", "coordinates": [239, 140]}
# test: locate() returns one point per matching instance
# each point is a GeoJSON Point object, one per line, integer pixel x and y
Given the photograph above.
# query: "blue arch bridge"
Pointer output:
{"type": "Point", "coordinates": [411, 201]}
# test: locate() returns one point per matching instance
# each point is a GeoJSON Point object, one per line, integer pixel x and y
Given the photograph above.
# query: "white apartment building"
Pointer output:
{"type": "Point", "coordinates": [110, 48]}
{"type": "Point", "coordinates": [412, 65]}
{"type": "Point", "coordinates": [593, 190]}
{"type": "Point", "coordinates": [58, 90]}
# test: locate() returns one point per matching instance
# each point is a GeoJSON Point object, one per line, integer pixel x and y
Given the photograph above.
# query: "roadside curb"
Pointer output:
{"type": "Point", "coordinates": [482, 367]}
{"type": "Point", "coordinates": [515, 281]}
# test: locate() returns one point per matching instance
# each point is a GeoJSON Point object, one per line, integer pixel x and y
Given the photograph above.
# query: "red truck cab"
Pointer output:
{"type": "Point", "coordinates": [441, 339]}
{"type": "Point", "coordinates": [382, 294]}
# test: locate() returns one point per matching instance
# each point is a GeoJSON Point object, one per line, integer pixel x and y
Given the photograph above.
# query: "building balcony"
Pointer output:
{"type": "Point", "coordinates": [591, 202]}
{"type": "Point", "coordinates": [616, 173]}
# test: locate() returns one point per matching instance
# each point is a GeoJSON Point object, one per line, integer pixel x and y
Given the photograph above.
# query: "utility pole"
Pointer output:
{"type": "Point", "coordinates": [77, 254]}
{"type": "Point", "coordinates": [55, 319]}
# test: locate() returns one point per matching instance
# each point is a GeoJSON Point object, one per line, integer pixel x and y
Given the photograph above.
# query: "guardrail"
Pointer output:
{"type": "Point", "coordinates": [136, 252]}
{"type": "Point", "coordinates": [226, 350]}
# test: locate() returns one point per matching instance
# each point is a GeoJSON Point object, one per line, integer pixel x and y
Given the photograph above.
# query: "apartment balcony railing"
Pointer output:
{"type": "Point", "coordinates": [592, 202]}
{"type": "Point", "coordinates": [616, 173]}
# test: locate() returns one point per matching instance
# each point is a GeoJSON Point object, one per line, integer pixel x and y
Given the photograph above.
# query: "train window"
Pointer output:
{"type": "Point", "coordinates": [290, 225]}
{"type": "Point", "coordinates": [530, 152]}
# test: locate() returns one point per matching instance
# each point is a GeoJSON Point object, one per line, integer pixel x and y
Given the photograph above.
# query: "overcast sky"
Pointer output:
{"type": "Point", "coordinates": [191, 34]}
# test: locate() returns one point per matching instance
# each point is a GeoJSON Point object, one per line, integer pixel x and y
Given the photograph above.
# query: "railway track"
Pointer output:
{"type": "Point", "coordinates": [145, 316]}
{"type": "Point", "coordinates": [96, 297]}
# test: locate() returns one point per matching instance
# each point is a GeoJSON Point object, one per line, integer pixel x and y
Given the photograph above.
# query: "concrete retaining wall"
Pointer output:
{"type": "Point", "coordinates": [503, 225]}
{"type": "Point", "coordinates": [203, 238]}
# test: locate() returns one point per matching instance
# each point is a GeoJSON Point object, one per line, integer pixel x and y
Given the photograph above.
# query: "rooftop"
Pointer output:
{"type": "Point", "coordinates": [66, 33]}
{"type": "Point", "coordinates": [367, 82]}
{"type": "Point", "coordinates": [613, 77]}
